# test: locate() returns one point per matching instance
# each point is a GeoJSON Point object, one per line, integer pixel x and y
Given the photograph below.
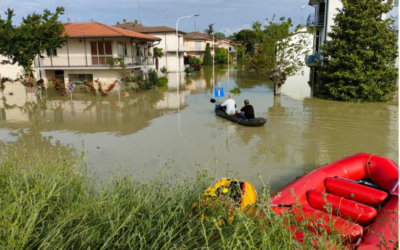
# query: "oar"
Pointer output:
{"type": "Point", "coordinates": [213, 100]}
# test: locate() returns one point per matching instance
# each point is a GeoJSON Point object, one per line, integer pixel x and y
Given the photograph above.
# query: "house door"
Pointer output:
{"type": "Point", "coordinates": [197, 45]}
{"type": "Point", "coordinates": [317, 41]}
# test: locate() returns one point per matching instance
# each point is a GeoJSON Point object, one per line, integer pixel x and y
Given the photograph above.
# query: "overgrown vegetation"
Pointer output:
{"type": "Point", "coordinates": [221, 55]}
{"type": "Point", "coordinates": [235, 90]}
{"type": "Point", "coordinates": [53, 201]}
{"type": "Point", "coordinates": [164, 70]}
{"type": "Point", "coordinates": [188, 70]}
{"type": "Point", "coordinates": [359, 58]}
{"type": "Point", "coordinates": [162, 81]}
{"type": "Point", "coordinates": [153, 76]}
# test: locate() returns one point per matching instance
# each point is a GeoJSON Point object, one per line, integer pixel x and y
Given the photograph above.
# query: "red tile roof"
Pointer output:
{"type": "Point", "coordinates": [200, 34]}
{"type": "Point", "coordinates": [95, 29]}
{"type": "Point", "coordinates": [146, 29]}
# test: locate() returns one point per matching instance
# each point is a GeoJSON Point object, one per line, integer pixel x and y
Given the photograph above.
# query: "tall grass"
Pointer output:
{"type": "Point", "coordinates": [49, 201]}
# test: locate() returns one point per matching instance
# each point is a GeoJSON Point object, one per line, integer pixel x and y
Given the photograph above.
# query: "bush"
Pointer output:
{"type": "Point", "coordinates": [162, 81]}
{"type": "Point", "coordinates": [207, 56]}
{"type": "Point", "coordinates": [164, 70]}
{"type": "Point", "coordinates": [188, 69]}
{"type": "Point", "coordinates": [153, 76]}
{"type": "Point", "coordinates": [195, 60]}
{"type": "Point", "coordinates": [235, 90]}
{"type": "Point", "coordinates": [221, 58]}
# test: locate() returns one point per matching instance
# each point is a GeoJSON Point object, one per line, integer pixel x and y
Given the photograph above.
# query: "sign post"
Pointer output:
{"type": "Point", "coordinates": [219, 92]}
{"type": "Point", "coordinates": [70, 89]}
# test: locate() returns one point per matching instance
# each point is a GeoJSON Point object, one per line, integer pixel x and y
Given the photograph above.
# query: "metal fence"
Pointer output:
{"type": "Point", "coordinates": [314, 20]}
{"type": "Point", "coordinates": [66, 62]}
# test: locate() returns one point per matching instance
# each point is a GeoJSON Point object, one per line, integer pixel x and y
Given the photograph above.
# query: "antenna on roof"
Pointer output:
{"type": "Point", "coordinates": [140, 20]}
{"type": "Point", "coordinates": [166, 18]}
{"type": "Point", "coordinates": [66, 3]}
{"type": "Point", "coordinates": [194, 25]}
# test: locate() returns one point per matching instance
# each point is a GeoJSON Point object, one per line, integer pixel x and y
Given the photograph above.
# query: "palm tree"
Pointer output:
{"type": "Point", "coordinates": [158, 53]}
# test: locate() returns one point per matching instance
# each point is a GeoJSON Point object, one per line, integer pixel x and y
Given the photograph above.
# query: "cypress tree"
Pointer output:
{"type": "Point", "coordinates": [207, 60]}
{"type": "Point", "coordinates": [359, 59]}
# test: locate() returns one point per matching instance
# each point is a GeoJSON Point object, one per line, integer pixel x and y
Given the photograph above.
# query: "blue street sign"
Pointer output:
{"type": "Point", "coordinates": [219, 92]}
{"type": "Point", "coordinates": [71, 87]}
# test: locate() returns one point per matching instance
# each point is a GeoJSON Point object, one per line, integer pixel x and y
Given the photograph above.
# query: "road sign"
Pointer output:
{"type": "Point", "coordinates": [70, 87]}
{"type": "Point", "coordinates": [219, 92]}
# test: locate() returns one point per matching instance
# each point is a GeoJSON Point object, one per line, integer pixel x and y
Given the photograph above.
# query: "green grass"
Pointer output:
{"type": "Point", "coordinates": [50, 201]}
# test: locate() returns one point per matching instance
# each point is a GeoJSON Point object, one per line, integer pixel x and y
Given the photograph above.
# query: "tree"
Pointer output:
{"type": "Point", "coordinates": [221, 55]}
{"type": "Point", "coordinates": [281, 53]}
{"type": "Point", "coordinates": [207, 60]}
{"type": "Point", "coordinates": [359, 59]}
{"type": "Point", "coordinates": [247, 38]}
{"type": "Point", "coordinates": [38, 33]}
{"type": "Point", "coordinates": [158, 53]}
{"type": "Point", "coordinates": [210, 30]}
{"type": "Point", "coordinates": [220, 35]}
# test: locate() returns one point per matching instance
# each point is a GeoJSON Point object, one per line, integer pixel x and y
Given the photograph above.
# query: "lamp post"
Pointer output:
{"type": "Point", "coordinates": [177, 47]}
{"type": "Point", "coordinates": [213, 64]}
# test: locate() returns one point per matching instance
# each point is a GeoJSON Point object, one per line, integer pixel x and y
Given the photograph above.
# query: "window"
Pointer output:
{"type": "Point", "coordinates": [198, 56]}
{"type": "Point", "coordinates": [100, 51]}
{"type": "Point", "coordinates": [230, 48]}
{"type": "Point", "coordinates": [80, 77]}
{"type": "Point", "coordinates": [122, 50]}
{"type": "Point", "coordinates": [52, 52]}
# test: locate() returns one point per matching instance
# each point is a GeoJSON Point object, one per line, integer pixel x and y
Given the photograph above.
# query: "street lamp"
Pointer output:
{"type": "Point", "coordinates": [213, 64]}
{"type": "Point", "coordinates": [177, 44]}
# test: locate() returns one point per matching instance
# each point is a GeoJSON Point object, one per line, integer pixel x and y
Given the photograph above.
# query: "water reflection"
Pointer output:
{"type": "Point", "coordinates": [178, 122]}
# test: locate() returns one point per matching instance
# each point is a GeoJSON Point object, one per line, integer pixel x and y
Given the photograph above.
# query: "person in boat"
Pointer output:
{"type": "Point", "coordinates": [247, 112]}
{"type": "Point", "coordinates": [230, 105]}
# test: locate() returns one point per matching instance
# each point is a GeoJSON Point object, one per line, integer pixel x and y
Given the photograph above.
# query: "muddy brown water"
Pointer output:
{"type": "Point", "coordinates": [145, 129]}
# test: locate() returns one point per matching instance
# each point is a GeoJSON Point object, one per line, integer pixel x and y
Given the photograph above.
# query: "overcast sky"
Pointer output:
{"type": "Point", "coordinates": [228, 15]}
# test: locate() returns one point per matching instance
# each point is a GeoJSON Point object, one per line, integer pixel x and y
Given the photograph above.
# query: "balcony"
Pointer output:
{"type": "Point", "coordinates": [185, 48]}
{"type": "Point", "coordinates": [89, 62]}
{"type": "Point", "coordinates": [314, 60]}
{"type": "Point", "coordinates": [317, 21]}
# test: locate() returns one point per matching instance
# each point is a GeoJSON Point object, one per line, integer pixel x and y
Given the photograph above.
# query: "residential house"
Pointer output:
{"type": "Point", "coordinates": [89, 48]}
{"type": "Point", "coordinates": [195, 44]}
{"type": "Point", "coordinates": [323, 20]}
{"type": "Point", "coordinates": [169, 43]}
{"type": "Point", "coordinates": [229, 45]}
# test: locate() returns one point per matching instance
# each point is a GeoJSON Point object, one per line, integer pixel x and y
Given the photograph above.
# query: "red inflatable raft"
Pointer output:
{"type": "Point", "coordinates": [362, 191]}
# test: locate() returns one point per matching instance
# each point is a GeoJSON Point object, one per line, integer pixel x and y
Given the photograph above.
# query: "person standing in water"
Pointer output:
{"type": "Point", "coordinates": [230, 105]}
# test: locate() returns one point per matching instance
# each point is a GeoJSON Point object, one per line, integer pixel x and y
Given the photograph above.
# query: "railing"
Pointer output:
{"type": "Point", "coordinates": [314, 60]}
{"type": "Point", "coordinates": [315, 20]}
{"type": "Point", "coordinates": [174, 47]}
{"type": "Point", "coordinates": [68, 62]}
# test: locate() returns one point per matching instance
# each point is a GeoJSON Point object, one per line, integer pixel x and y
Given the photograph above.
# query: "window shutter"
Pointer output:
{"type": "Point", "coordinates": [108, 48]}
{"type": "Point", "coordinates": [94, 48]}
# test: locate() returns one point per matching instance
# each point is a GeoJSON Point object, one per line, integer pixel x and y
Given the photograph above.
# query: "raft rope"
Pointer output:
{"type": "Point", "coordinates": [368, 163]}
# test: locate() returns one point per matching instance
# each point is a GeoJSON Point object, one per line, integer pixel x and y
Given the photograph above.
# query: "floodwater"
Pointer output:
{"type": "Point", "coordinates": [145, 129]}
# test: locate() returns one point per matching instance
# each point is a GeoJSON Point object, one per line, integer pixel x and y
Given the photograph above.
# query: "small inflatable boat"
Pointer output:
{"type": "Point", "coordinates": [357, 197]}
{"type": "Point", "coordinates": [256, 122]}
{"type": "Point", "coordinates": [361, 191]}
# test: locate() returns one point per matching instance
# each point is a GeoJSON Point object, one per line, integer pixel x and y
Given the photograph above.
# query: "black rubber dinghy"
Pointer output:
{"type": "Point", "coordinates": [256, 122]}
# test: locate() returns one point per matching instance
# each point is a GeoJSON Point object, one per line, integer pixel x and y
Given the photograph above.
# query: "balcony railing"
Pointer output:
{"type": "Point", "coordinates": [185, 48]}
{"type": "Point", "coordinates": [314, 60]}
{"type": "Point", "coordinates": [315, 20]}
{"type": "Point", "coordinates": [69, 62]}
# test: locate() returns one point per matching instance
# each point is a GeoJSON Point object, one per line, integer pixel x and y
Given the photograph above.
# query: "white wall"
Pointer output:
{"type": "Point", "coordinates": [9, 70]}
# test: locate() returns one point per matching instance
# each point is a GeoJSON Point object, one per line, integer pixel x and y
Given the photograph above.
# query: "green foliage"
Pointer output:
{"type": "Point", "coordinates": [164, 70]}
{"type": "Point", "coordinates": [207, 56]}
{"type": "Point", "coordinates": [162, 81]}
{"type": "Point", "coordinates": [281, 53]}
{"type": "Point", "coordinates": [3, 80]}
{"type": "Point", "coordinates": [359, 59]}
{"type": "Point", "coordinates": [219, 35]}
{"type": "Point", "coordinates": [158, 53]}
{"type": "Point", "coordinates": [153, 76]}
{"type": "Point", "coordinates": [235, 90]}
{"type": "Point", "coordinates": [36, 34]}
{"type": "Point", "coordinates": [221, 55]}
{"type": "Point", "coordinates": [210, 30]}
{"type": "Point", "coordinates": [195, 60]}
{"type": "Point", "coordinates": [188, 69]}
{"type": "Point", "coordinates": [51, 200]}
{"type": "Point", "coordinates": [247, 38]}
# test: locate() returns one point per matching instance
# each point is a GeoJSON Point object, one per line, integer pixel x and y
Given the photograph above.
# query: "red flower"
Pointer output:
{"type": "Point", "coordinates": [93, 92]}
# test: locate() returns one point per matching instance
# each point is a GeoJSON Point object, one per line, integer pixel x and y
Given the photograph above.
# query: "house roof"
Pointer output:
{"type": "Point", "coordinates": [134, 26]}
{"type": "Point", "coordinates": [193, 36]}
{"type": "Point", "coordinates": [95, 29]}
{"type": "Point", "coordinates": [201, 34]}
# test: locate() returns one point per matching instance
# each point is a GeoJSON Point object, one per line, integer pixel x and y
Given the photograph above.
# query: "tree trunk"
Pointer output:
{"type": "Point", "coordinates": [278, 77]}
{"type": "Point", "coordinates": [157, 64]}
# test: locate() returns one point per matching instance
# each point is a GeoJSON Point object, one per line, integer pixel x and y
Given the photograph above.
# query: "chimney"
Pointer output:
{"type": "Point", "coordinates": [124, 21]}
